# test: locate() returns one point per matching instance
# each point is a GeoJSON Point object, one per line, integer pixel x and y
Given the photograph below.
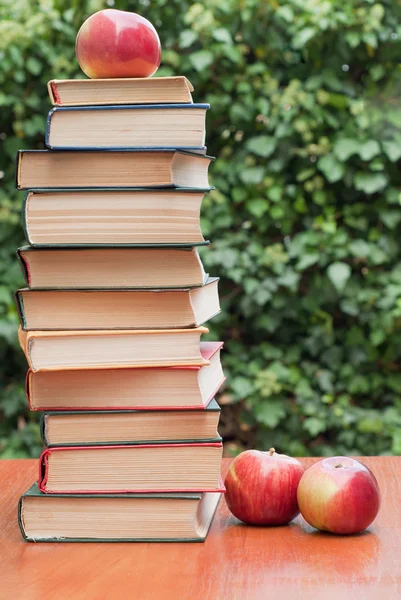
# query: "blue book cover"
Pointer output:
{"type": "Point", "coordinates": [155, 126]}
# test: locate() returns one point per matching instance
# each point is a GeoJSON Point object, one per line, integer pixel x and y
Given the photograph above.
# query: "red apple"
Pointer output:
{"type": "Point", "coordinates": [262, 487]}
{"type": "Point", "coordinates": [339, 494]}
{"type": "Point", "coordinates": [115, 43]}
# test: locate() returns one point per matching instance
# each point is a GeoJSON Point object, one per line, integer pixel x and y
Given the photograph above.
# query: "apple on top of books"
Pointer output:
{"type": "Point", "coordinates": [115, 43]}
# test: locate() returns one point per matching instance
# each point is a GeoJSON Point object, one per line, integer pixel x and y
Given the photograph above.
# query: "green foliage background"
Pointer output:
{"type": "Point", "coordinates": [305, 221]}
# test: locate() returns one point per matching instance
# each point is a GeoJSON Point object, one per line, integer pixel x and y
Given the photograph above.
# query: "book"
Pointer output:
{"type": "Point", "coordinates": [123, 127]}
{"type": "Point", "coordinates": [88, 217]}
{"type": "Point", "coordinates": [43, 169]}
{"type": "Point", "coordinates": [141, 468]}
{"type": "Point", "coordinates": [164, 517]}
{"type": "Point", "coordinates": [97, 428]}
{"type": "Point", "coordinates": [117, 309]}
{"type": "Point", "coordinates": [112, 267]}
{"type": "Point", "coordinates": [105, 349]}
{"type": "Point", "coordinates": [134, 389]}
{"type": "Point", "coordinates": [139, 90]}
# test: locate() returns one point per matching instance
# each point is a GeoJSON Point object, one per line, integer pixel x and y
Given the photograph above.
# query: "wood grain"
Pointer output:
{"type": "Point", "coordinates": [237, 562]}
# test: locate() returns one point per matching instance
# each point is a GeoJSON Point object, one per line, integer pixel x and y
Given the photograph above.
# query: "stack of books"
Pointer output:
{"type": "Point", "coordinates": [113, 313]}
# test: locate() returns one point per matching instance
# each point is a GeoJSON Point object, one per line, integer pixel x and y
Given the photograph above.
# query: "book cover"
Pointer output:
{"type": "Point", "coordinates": [211, 407]}
{"type": "Point", "coordinates": [208, 350]}
{"type": "Point", "coordinates": [44, 466]}
{"type": "Point", "coordinates": [34, 492]}
{"type": "Point", "coordinates": [138, 90]}
{"type": "Point", "coordinates": [122, 107]}
{"type": "Point", "coordinates": [87, 305]}
{"type": "Point", "coordinates": [24, 264]}
{"type": "Point", "coordinates": [62, 160]}
{"type": "Point", "coordinates": [178, 189]}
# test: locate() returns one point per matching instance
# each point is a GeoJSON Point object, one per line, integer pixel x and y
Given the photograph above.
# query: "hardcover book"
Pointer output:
{"type": "Point", "coordinates": [141, 468]}
{"type": "Point", "coordinates": [140, 90]}
{"type": "Point", "coordinates": [112, 267]}
{"type": "Point", "coordinates": [48, 310]}
{"type": "Point", "coordinates": [42, 169]}
{"type": "Point", "coordinates": [105, 349]}
{"type": "Point", "coordinates": [129, 389]}
{"type": "Point", "coordinates": [124, 127]}
{"type": "Point", "coordinates": [98, 428]}
{"type": "Point", "coordinates": [88, 217]}
{"type": "Point", "coordinates": [179, 517]}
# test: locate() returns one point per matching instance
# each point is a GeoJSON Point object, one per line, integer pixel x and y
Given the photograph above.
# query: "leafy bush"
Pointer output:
{"type": "Point", "coordinates": [305, 125]}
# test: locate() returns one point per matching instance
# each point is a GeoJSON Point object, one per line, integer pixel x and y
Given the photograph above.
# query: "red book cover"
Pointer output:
{"type": "Point", "coordinates": [44, 468]}
{"type": "Point", "coordinates": [208, 349]}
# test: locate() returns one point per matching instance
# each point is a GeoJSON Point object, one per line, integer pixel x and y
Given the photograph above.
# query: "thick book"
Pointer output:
{"type": "Point", "coordinates": [142, 468]}
{"type": "Point", "coordinates": [105, 349]}
{"type": "Point", "coordinates": [156, 517]}
{"type": "Point", "coordinates": [88, 217]}
{"type": "Point", "coordinates": [124, 127]}
{"type": "Point", "coordinates": [48, 310]}
{"type": "Point", "coordinates": [43, 169]}
{"type": "Point", "coordinates": [112, 267]}
{"type": "Point", "coordinates": [98, 428]}
{"type": "Point", "coordinates": [188, 388]}
{"type": "Point", "coordinates": [136, 90]}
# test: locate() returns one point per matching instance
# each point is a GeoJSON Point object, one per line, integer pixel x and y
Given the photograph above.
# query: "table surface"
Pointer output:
{"type": "Point", "coordinates": [237, 562]}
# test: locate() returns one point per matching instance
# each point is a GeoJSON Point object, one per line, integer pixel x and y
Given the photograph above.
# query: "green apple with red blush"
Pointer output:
{"type": "Point", "coordinates": [340, 495]}
{"type": "Point", "coordinates": [115, 43]}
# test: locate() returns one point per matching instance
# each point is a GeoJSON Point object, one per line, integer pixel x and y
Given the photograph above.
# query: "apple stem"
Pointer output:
{"type": "Point", "coordinates": [338, 466]}
{"type": "Point", "coordinates": [271, 451]}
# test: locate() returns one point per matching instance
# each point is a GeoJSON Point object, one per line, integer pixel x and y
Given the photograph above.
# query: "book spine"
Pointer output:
{"type": "Point", "coordinates": [28, 389]}
{"type": "Point", "coordinates": [20, 518]}
{"type": "Point", "coordinates": [42, 430]}
{"type": "Point", "coordinates": [53, 93]}
{"type": "Point", "coordinates": [43, 470]}
{"type": "Point", "coordinates": [19, 304]}
{"type": "Point", "coordinates": [25, 267]}
{"type": "Point", "coordinates": [48, 126]}
{"type": "Point", "coordinates": [24, 211]}
{"type": "Point", "coordinates": [18, 161]}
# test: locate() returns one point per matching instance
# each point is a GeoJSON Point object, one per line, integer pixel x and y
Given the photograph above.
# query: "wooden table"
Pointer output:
{"type": "Point", "coordinates": [236, 562]}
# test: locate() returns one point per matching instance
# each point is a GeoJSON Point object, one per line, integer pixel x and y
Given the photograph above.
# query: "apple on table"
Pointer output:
{"type": "Point", "coordinates": [261, 487]}
{"type": "Point", "coordinates": [339, 494]}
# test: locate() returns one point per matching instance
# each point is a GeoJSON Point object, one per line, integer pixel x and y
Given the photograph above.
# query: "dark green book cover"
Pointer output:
{"type": "Point", "coordinates": [196, 498]}
{"type": "Point", "coordinates": [211, 407]}
{"type": "Point", "coordinates": [73, 307]}
{"type": "Point", "coordinates": [96, 247]}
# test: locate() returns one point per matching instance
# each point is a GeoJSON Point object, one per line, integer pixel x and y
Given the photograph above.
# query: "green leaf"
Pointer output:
{"type": "Point", "coordinates": [242, 387]}
{"type": "Point", "coordinates": [269, 413]}
{"type": "Point", "coordinates": [307, 260]}
{"type": "Point", "coordinates": [331, 168]}
{"type": "Point", "coordinates": [258, 207]}
{"type": "Point", "coordinates": [339, 273]}
{"type": "Point", "coordinates": [34, 65]}
{"type": "Point", "coordinates": [263, 145]}
{"type": "Point", "coordinates": [201, 60]}
{"type": "Point", "coordinates": [252, 175]}
{"type": "Point", "coordinates": [346, 147]}
{"type": "Point", "coordinates": [370, 183]}
{"type": "Point", "coordinates": [369, 149]}
{"type": "Point", "coordinates": [303, 37]}
{"type": "Point", "coordinates": [392, 150]}
{"type": "Point", "coordinates": [314, 426]}
{"type": "Point", "coordinates": [359, 248]}
{"type": "Point", "coordinates": [222, 35]}
{"type": "Point", "coordinates": [187, 38]}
